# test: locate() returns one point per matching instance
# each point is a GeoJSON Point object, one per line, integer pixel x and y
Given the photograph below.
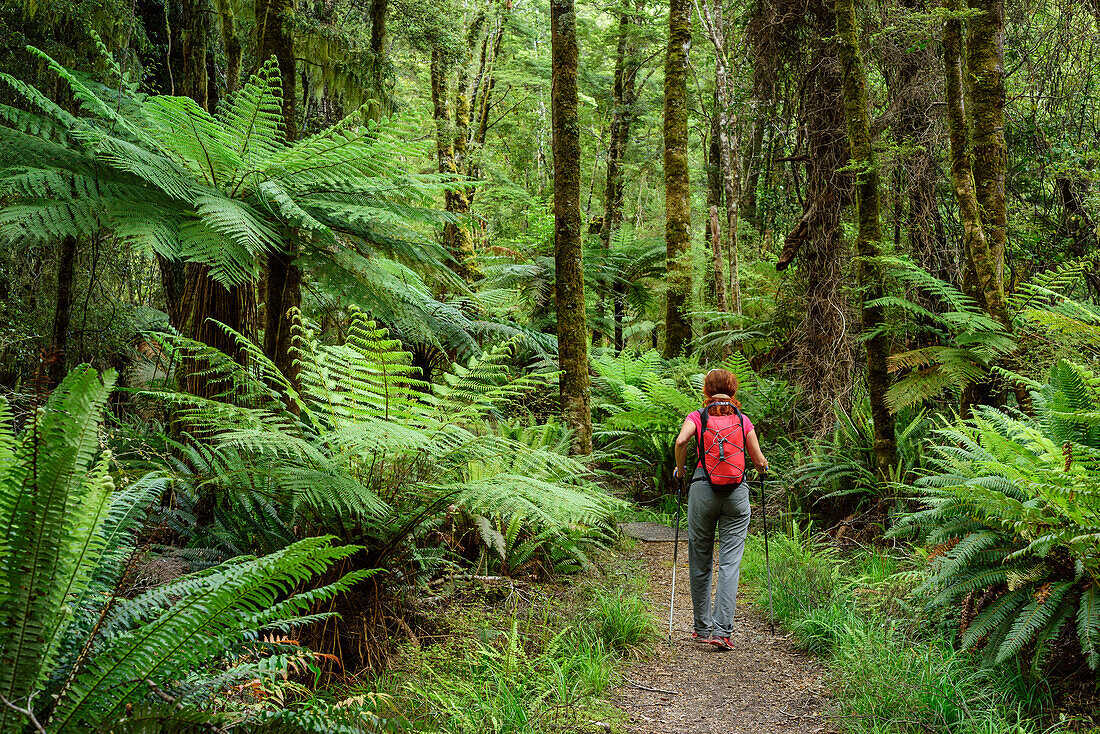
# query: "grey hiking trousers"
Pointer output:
{"type": "Point", "coordinates": [728, 513]}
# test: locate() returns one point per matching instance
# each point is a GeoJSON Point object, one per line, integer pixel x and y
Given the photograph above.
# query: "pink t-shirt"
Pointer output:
{"type": "Point", "coordinates": [693, 417]}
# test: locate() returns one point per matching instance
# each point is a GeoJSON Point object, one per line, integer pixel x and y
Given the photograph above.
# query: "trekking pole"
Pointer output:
{"type": "Point", "coordinates": [767, 560]}
{"type": "Point", "coordinates": [675, 557]}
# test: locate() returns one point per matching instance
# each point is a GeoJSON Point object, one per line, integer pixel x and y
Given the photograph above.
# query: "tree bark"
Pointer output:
{"type": "Point", "coordinates": [727, 155]}
{"type": "Point", "coordinates": [869, 234]}
{"type": "Point", "coordinates": [823, 358]}
{"type": "Point", "coordinates": [677, 187]}
{"type": "Point", "coordinates": [980, 255]}
{"type": "Point", "coordinates": [622, 113]}
{"type": "Point", "coordinates": [62, 311]}
{"type": "Point", "coordinates": [985, 46]}
{"type": "Point", "coordinates": [376, 65]}
{"type": "Point", "coordinates": [569, 278]}
{"type": "Point", "coordinates": [716, 259]}
{"type": "Point", "coordinates": [283, 294]}
{"type": "Point", "coordinates": [231, 44]}
{"type": "Point", "coordinates": [456, 239]}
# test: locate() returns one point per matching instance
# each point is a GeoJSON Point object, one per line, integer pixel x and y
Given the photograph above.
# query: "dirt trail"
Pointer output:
{"type": "Point", "coordinates": [764, 686]}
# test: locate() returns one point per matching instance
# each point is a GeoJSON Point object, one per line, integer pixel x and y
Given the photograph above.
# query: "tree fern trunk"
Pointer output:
{"type": "Point", "coordinates": [677, 187]}
{"type": "Point", "coordinates": [569, 278]}
{"type": "Point", "coordinates": [869, 234]}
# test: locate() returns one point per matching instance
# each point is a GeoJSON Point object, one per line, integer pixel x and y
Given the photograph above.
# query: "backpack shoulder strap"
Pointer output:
{"type": "Point", "coordinates": [703, 414]}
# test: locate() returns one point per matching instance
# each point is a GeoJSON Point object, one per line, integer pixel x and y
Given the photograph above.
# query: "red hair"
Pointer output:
{"type": "Point", "coordinates": [720, 386]}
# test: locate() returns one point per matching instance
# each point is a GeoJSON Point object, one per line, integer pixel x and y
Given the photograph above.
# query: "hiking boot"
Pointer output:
{"type": "Point", "coordinates": [722, 643]}
{"type": "Point", "coordinates": [704, 639]}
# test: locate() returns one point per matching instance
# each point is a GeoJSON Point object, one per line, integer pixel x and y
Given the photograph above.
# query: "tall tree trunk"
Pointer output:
{"type": "Point", "coordinates": [716, 260]}
{"type": "Point", "coordinates": [376, 65]}
{"type": "Point", "coordinates": [231, 44]}
{"type": "Point", "coordinates": [569, 278]}
{"type": "Point", "coordinates": [456, 239]}
{"type": "Point", "coordinates": [823, 350]}
{"type": "Point", "coordinates": [622, 95]}
{"type": "Point", "coordinates": [986, 51]}
{"type": "Point", "coordinates": [283, 295]}
{"type": "Point", "coordinates": [868, 236]}
{"type": "Point", "coordinates": [62, 311]}
{"type": "Point", "coordinates": [190, 39]}
{"type": "Point", "coordinates": [677, 187]}
{"type": "Point", "coordinates": [727, 154]}
{"type": "Point", "coordinates": [980, 255]}
{"type": "Point", "coordinates": [713, 163]}
{"type": "Point", "coordinates": [752, 166]}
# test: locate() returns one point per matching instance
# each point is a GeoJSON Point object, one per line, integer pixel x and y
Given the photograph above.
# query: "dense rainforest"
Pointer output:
{"type": "Point", "coordinates": [339, 337]}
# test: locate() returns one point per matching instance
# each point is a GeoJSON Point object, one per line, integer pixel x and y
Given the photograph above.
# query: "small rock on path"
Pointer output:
{"type": "Point", "coordinates": [764, 686]}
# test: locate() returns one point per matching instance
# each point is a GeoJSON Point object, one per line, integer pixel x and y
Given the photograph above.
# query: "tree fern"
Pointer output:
{"type": "Point", "coordinates": [1013, 504]}
{"type": "Point", "coordinates": [164, 176]}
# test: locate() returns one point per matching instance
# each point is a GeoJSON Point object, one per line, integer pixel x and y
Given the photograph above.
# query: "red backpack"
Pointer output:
{"type": "Point", "coordinates": [721, 448]}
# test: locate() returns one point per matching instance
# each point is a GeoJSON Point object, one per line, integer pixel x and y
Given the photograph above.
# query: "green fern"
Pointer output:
{"type": "Point", "coordinates": [1015, 503]}
{"type": "Point", "coordinates": [368, 452]}
{"type": "Point", "coordinates": [78, 656]}
{"type": "Point", "coordinates": [166, 177]}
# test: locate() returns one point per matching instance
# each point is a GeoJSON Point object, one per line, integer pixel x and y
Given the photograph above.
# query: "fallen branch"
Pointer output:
{"type": "Point", "coordinates": [632, 684]}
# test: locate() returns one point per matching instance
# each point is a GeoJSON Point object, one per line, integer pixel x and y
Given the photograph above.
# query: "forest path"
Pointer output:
{"type": "Point", "coordinates": [763, 686]}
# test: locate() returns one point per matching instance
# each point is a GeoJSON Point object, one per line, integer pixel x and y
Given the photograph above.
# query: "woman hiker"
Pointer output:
{"type": "Point", "coordinates": [718, 499]}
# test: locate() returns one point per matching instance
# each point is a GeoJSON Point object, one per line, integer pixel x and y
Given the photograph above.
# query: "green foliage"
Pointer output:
{"type": "Point", "coordinates": [885, 668]}
{"type": "Point", "coordinates": [79, 654]}
{"type": "Point", "coordinates": [842, 465]}
{"type": "Point", "coordinates": [1047, 324]}
{"type": "Point", "coordinates": [540, 671]}
{"type": "Point", "coordinates": [1013, 513]}
{"type": "Point", "coordinates": [167, 178]}
{"type": "Point", "coordinates": [370, 453]}
{"type": "Point", "coordinates": [970, 341]}
{"type": "Point", "coordinates": [639, 403]}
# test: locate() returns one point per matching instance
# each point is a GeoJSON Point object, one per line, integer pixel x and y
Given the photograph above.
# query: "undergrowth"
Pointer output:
{"type": "Point", "coordinates": [886, 671]}
{"type": "Point", "coordinates": [524, 659]}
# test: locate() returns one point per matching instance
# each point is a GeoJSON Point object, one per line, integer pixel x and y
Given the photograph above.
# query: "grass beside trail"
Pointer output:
{"type": "Point", "coordinates": [527, 658]}
{"type": "Point", "coordinates": [888, 668]}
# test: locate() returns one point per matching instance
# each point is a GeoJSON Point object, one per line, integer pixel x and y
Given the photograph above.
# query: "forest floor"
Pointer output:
{"type": "Point", "coordinates": [765, 685]}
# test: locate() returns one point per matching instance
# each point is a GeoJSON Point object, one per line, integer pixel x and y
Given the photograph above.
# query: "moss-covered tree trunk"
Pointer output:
{"type": "Point", "coordinates": [716, 281]}
{"type": "Point", "coordinates": [231, 45]}
{"type": "Point", "coordinates": [823, 357]}
{"type": "Point", "coordinates": [677, 188]}
{"type": "Point", "coordinates": [980, 255]}
{"type": "Point", "coordinates": [622, 114]}
{"type": "Point", "coordinates": [376, 64]}
{"type": "Point", "coordinates": [456, 239]}
{"type": "Point", "coordinates": [985, 62]}
{"type": "Point", "coordinates": [569, 278]}
{"type": "Point", "coordinates": [283, 292]}
{"type": "Point", "coordinates": [869, 234]}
